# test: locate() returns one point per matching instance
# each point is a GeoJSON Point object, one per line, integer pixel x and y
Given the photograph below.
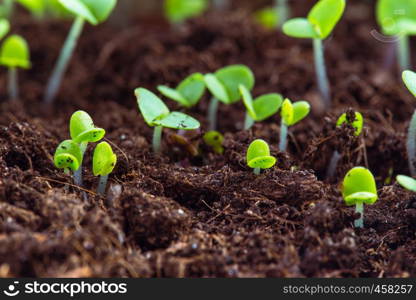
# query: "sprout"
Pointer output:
{"type": "Point", "coordinates": [156, 114]}
{"type": "Point", "coordinates": [4, 28]}
{"type": "Point", "coordinates": [214, 139]}
{"type": "Point", "coordinates": [178, 11]}
{"type": "Point", "coordinates": [258, 156]}
{"type": "Point", "coordinates": [92, 11]}
{"type": "Point", "coordinates": [68, 156]}
{"type": "Point", "coordinates": [407, 182]}
{"type": "Point", "coordinates": [14, 54]}
{"type": "Point", "coordinates": [82, 132]}
{"type": "Point", "coordinates": [224, 86]}
{"type": "Point", "coordinates": [409, 79]}
{"type": "Point", "coordinates": [268, 17]}
{"type": "Point", "coordinates": [291, 114]}
{"type": "Point", "coordinates": [398, 18]}
{"type": "Point", "coordinates": [261, 108]}
{"type": "Point", "coordinates": [188, 92]}
{"type": "Point", "coordinates": [103, 163]}
{"type": "Point", "coordinates": [40, 8]}
{"type": "Point", "coordinates": [359, 187]}
{"type": "Point", "coordinates": [319, 24]}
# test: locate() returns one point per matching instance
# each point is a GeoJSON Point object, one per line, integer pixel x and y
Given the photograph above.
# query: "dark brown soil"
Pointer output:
{"type": "Point", "coordinates": [185, 214]}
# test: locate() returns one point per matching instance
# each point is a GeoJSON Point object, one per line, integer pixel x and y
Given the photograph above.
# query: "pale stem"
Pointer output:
{"type": "Point", "coordinates": [411, 145]}
{"type": "Point", "coordinates": [336, 156]}
{"type": "Point", "coordinates": [320, 70]}
{"type": "Point", "coordinates": [257, 171]}
{"type": "Point", "coordinates": [282, 10]}
{"type": "Point", "coordinates": [63, 60]}
{"type": "Point", "coordinates": [248, 122]}
{"type": "Point", "coordinates": [78, 173]}
{"type": "Point", "coordinates": [359, 208]}
{"type": "Point", "coordinates": [102, 185]}
{"type": "Point", "coordinates": [66, 171]}
{"type": "Point", "coordinates": [283, 136]}
{"type": "Point", "coordinates": [157, 138]}
{"type": "Point", "coordinates": [13, 86]}
{"type": "Point", "coordinates": [220, 4]}
{"type": "Point", "coordinates": [212, 113]}
{"type": "Point", "coordinates": [403, 52]}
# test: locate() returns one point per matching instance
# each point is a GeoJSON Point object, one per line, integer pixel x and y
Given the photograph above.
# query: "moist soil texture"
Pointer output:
{"type": "Point", "coordinates": [190, 212]}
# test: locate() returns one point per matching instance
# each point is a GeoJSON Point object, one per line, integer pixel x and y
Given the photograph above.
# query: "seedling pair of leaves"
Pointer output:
{"type": "Point", "coordinates": [359, 188]}
{"type": "Point", "coordinates": [178, 11]}
{"type": "Point", "coordinates": [43, 8]}
{"type": "Point", "coordinates": [409, 79]}
{"type": "Point", "coordinates": [258, 156]}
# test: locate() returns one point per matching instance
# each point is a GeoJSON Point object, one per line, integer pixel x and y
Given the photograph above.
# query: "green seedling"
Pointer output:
{"type": "Point", "coordinates": [397, 18]}
{"type": "Point", "coordinates": [103, 163]}
{"type": "Point", "coordinates": [258, 156]}
{"type": "Point", "coordinates": [291, 113]}
{"type": "Point", "coordinates": [4, 28]}
{"type": "Point", "coordinates": [68, 156]}
{"type": "Point", "coordinates": [178, 11]}
{"type": "Point", "coordinates": [214, 139]}
{"type": "Point", "coordinates": [318, 25]}
{"type": "Point", "coordinates": [156, 114]}
{"type": "Point", "coordinates": [267, 17]}
{"type": "Point", "coordinates": [92, 11]}
{"type": "Point", "coordinates": [224, 86]}
{"type": "Point", "coordinates": [407, 182]}
{"type": "Point", "coordinates": [357, 123]}
{"type": "Point", "coordinates": [83, 131]}
{"type": "Point", "coordinates": [14, 54]}
{"type": "Point", "coordinates": [261, 108]}
{"type": "Point", "coordinates": [359, 188]}
{"type": "Point", "coordinates": [188, 92]}
{"type": "Point", "coordinates": [409, 79]}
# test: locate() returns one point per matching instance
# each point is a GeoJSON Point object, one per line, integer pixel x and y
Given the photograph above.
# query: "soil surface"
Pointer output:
{"type": "Point", "coordinates": [190, 212]}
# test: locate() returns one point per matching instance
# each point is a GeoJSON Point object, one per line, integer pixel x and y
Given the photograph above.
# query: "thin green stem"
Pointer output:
{"type": "Point", "coordinates": [102, 185]}
{"type": "Point", "coordinates": [282, 10]}
{"type": "Point", "coordinates": [13, 86]}
{"type": "Point", "coordinates": [248, 122]}
{"type": "Point", "coordinates": [212, 113]}
{"type": "Point", "coordinates": [78, 173]}
{"type": "Point", "coordinates": [257, 171]}
{"type": "Point", "coordinates": [403, 52]}
{"type": "Point", "coordinates": [336, 156]}
{"type": "Point", "coordinates": [411, 145]}
{"type": "Point", "coordinates": [359, 208]}
{"type": "Point", "coordinates": [320, 70]}
{"type": "Point", "coordinates": [63, 60]}
{"type": "Point", "coordinates": [157, 139]}
{"type": "Point", "coordinates": [67, 171]}
{"type": "Point", "coordinates": [283, 136]}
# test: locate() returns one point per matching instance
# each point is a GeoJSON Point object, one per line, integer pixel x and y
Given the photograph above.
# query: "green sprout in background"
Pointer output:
{"type": "Point", "coordinates": [357, 123]}
{"type": "Point", "coordinates": [398, 18]}
{"type": "Point", "coordinates": [92, 11]}
{"type": "Point", "coordinates": [44, 8]}
{"type": "Point", "coordinates": [6, 8]}
{"type": "Point", "coordinates": [258, 156]}
{"type": "Point", "coordinates": [409, 79]}
{"type": "Point", "coordinates": [268, 17]}
{"type": "Point", "coordinates": [188, 92]}
{"type": "Point", "coordinates": [291, 113]}
{"type": "Point", "coordinates": [215, 140]}
{"type": "Point", "coordinates": [68, 156]}
{"type": "Point", "coordinates": [82, 132]}
{"type": "Point", "coordinates": [156, 114]}
{"type": "Point", "coordinates": [224, 86]}
{"type": "Point", "coordinates": [178, 11]}
{"type": "Point", "coordinates": [319, 24]}
{"type": "Point", "coordinates": [4, 28]}
{"type": "Point", "coordinates": [407, 182]}
{"type": "Point", "coordinates": [359, 188]}
{"type": "Point", "coordinates": [103, 163]}
{"type": "Point", "coordinates": [14, 53]}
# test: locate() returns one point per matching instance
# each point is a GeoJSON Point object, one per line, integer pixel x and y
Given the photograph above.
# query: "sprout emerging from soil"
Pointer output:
{"type": "Point", "coordinates": [359, 188]}
{"type": "Point", "coordinates": [291, 114]}
{"type": "Point", "coordinates": [103, 163]}
{"type": "Point", "coordinates": [407, 182]}
{"type": "Point", "coordinates": [188, 92]}
{"type": "Point", "coordinates": [258, 156]}
{"type": "Point", "coordinates": [319, 24]}
{"type": "Point", "coordinates": [178, 11]}
{"type": "Point", "coordinates": [82, 132]}
{"type": "Point", "coordinates": [224, 86]}
{"type": "Point", "coordinates": [14, 54]}
{"type": "Point", "coordinates": [92, 11]}
{"type": "Point", "coordinates": [214, 139]}
{"type": "Point", "coordinates": [157, 115]}
{"type": "Point", "coordinates": [68, 156]}
{"type": "Point", "coordinates": [409, 79]}
{"type": "Point", "coordinates": [398, 18]}
{"type": "Point", "coordinates": [261, 108]}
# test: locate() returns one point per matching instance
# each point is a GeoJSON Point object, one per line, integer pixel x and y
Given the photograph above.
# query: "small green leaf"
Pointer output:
{"type": "Point", "coordinates": [173, 94]}
{"type": "Point", "coordinates": [177, 11]}
{"type": "Point", "coordinates": [94, 11]}
{"type": "Point", "coordinates": [82, 128]}
{"type": "Point", "coordinates": [79, 9]}
{"type": "Point", "coordinates": [396, 17]}
{"type": "Point", "coordinates": [192, 88]}
{"type": "Point", "coordinates": [216, 88]}
{"type": "Point", "coordinates": [15, 53]}
{"type": "Point", "coordinates": [4, 28]}
{"type": "Point", "coordinates": [407, 182]}
{"type": "Point", "coordinates": [300, 28]}
{"type": "Point", "coordinates": [178, 120]}
{"type": "Point", "coordinates": [151, 107]}
{"type": "Point", "coordinates": [231, 77]}
{"type": "Point", "coordinates": [300, 110]}
{"type": "Point", "coordinates": [357, 181]}
{"type": "Point", "coordinates": [268, 17]}
{"type": "Point", "coordinates": [68, 155]}
{"type": "Point", "coordinates": [263, 162]}
{"type": "Point", "coordinates": [325, 15]}
{"type": "Point", "coordinates": [409, 79]}
{"type": "Point", "coordinates": [214, 139]}
{"type": "Point", "coordinates": [267, 105]}
{"type": "Point", "coordinates": [287, 112]}
{"type": "Point", "coordinates": [258, 155]}
{"type": "Point", "coordinates": [104, 159]}
{"type": "Point", "coordinates": [358, 122]}
{"type": "Point", "coordinates": [248, 101]}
